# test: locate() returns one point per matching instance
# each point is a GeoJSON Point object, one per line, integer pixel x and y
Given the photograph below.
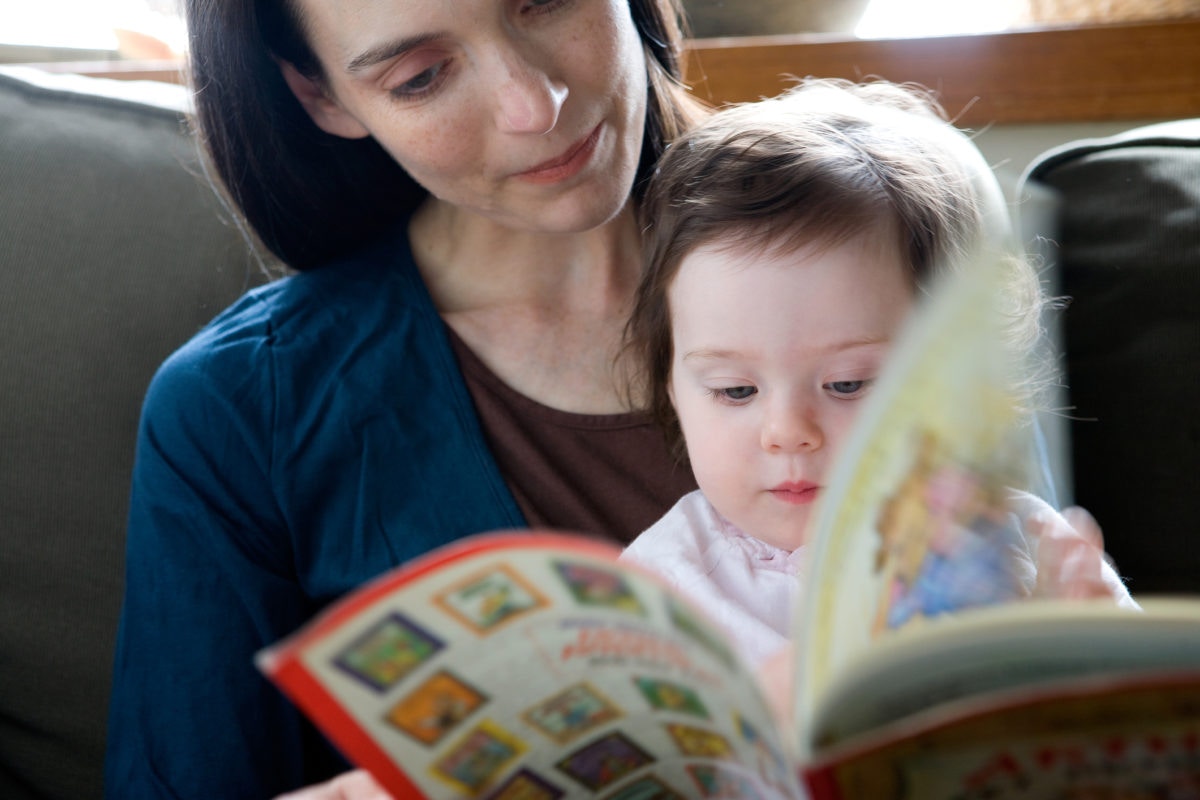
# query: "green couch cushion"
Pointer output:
{"type": "Point", "coordinates": [1128, 234]}
{"type": "Point", "coordinates": [113, 251]}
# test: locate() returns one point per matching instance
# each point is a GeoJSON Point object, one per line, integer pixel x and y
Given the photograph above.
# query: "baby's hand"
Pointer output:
{"type": "Point", "coordinates": [776, 676]}
{"type": "Point", "coordinates": [1071, 562]}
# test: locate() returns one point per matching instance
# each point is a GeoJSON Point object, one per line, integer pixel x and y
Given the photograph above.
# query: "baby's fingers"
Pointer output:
{"type": "Point", "coordinates": [1083, 524]}
{"type": "Point", "coordinates": [1070, 555]}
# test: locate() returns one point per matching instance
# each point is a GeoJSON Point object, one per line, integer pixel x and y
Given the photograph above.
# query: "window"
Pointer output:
{"type": "Point", "coordinates": [890, 19]}
{"type": "Point", "coordinates": [992, 61]}
{"type": "Point", "coordinates": [90, 30]}
{"type": "Point", "coordinates": [908, 18]}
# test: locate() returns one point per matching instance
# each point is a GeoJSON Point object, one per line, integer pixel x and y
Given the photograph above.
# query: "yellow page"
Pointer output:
{"type": "Point", "coordinates": [913, 521]}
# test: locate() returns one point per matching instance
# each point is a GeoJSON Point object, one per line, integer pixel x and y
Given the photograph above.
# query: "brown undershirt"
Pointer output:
{"type": "Point", "coordinates": [605, 475]}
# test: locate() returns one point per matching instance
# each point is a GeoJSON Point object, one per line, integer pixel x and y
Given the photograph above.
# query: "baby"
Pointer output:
{"type": "Point", "coordinates": [786, 243]}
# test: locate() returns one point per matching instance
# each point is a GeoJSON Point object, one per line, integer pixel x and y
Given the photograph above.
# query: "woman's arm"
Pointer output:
{"type": "Point", "coordinates": [209, 581]}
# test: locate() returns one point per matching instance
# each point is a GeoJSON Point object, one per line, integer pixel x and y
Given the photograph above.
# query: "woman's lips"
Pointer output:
{"type": "Point", "coordinates": [565, 166]}
{"type": "Point", "coordinates": [796, 492]}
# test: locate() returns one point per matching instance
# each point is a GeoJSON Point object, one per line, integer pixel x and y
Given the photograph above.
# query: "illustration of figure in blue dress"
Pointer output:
{"type": "Point", "coordinates": [946, 541]}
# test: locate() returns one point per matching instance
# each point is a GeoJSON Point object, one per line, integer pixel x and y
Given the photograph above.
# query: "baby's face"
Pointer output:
{"type": "Point", "coordinates": [773, 356]}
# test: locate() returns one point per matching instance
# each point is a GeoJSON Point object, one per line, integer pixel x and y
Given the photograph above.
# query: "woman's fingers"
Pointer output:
{"type": "Point", "coordinates": [356, 785]}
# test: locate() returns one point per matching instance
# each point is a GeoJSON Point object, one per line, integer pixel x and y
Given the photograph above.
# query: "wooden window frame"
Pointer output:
{"type": "Point", "coordinates": [165, 71]}
{"type": "Point", "coordinates": [1137, 71]}
{"type": "Point", "coordinates": [1072, 74]}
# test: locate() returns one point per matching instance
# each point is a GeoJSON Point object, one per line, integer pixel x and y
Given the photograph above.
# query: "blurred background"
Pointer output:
{"type": "Point", "coordinates": [87, 30]}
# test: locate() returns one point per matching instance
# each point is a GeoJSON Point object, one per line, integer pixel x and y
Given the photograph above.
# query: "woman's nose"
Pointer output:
{"type": "Point", "coordinates": [791, 427]}
{"type": "Point", "coordinates": [528, 99]}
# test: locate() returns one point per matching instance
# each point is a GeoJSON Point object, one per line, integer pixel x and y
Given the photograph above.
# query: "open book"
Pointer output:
{"type": "Point", "coordinates": [531, 665]}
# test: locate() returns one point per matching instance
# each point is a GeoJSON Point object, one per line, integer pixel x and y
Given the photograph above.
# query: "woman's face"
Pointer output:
{"type": "Point", "coordinates": [527, 112]}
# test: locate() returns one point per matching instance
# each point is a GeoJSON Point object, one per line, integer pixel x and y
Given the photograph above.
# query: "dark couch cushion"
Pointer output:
{"type": "Point", "coordinates": [1128, 233]}
{"type": "Point", "coordinates": [112, 253]}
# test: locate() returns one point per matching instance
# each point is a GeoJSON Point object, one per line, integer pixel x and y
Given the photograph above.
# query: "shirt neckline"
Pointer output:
{"type": "Point", "coordinates": [475, 369]}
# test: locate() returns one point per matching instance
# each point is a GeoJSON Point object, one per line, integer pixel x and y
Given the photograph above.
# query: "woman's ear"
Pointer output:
{"type": "Point", "coordinates": [325, 112]}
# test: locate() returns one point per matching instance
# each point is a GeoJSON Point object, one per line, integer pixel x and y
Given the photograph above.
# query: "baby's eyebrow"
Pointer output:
{"type": "Point", "coordinates": [718, 354]}
{"type": "Point", "coordinates": [710, 355]}
{"type": "Point", "coordinates": [863, 341]}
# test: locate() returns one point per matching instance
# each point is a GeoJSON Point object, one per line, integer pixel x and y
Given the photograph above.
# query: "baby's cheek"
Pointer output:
{"type": "Point", "coordinates": [841, 425]}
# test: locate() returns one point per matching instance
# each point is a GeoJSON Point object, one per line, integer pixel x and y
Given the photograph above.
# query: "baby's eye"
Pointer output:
{"type": "Point", "coordinates": [848, 389]}
{"type": "Point", "coordinates": [736, 392]}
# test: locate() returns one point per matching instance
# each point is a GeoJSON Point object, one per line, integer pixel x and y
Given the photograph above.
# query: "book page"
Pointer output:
{"type": "Point", "coordinates": [1157, 759]}
{"type": "Point", "coordinates": [981, 654]}
{"type": "Point", "coordinates": [532, 666]}
{"type": "Point", "coordinates": [1114, 735]}
{"type": "Point", "coordinates": [914, 520]}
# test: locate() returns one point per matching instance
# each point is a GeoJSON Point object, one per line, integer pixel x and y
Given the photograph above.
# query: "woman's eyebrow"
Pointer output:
{"type": "Point", "coordinates": [387, 50]}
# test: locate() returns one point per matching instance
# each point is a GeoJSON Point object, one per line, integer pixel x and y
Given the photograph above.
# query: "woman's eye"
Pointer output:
{"type": "Point", "coordinates": [737, 392]}
{"type": "Point", "coordinates": [847, 388]}
{"type": "Point", "coordinates": [544, 6]}
{"type": "Point", "coordinates": [421, 83]}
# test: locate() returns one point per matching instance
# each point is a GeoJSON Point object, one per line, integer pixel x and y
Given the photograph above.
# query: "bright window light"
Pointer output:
{"type": "Point", "coordinates": [893, 19]}
{"type": "Point", "coordinates": [89, 24]}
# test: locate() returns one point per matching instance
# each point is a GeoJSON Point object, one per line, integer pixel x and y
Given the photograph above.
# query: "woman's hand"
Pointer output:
{"type": "Point", "coordinates": [356, 785]}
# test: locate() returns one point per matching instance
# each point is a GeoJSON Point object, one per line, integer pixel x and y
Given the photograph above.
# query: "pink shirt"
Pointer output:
{"type": "Point", "coordinates": [750, 589]}
{"type": "Point", "coordinates": [747, 587]}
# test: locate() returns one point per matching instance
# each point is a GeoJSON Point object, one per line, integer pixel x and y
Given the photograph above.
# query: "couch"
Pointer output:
{"type": "Point", "coordinates": [113, 251]}
{"type": "Point", "coordinates": [1124, 241]}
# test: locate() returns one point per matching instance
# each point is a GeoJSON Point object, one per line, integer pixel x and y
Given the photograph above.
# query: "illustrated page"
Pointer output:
{"type": "Point", "coordinates": [914, 522]}
{"type": "Point", "coordinates": [530, 666]}
{"type": "Point", "coordinates": [989, 653]}
{"type": "Point", "coordinates": [1132, 736]}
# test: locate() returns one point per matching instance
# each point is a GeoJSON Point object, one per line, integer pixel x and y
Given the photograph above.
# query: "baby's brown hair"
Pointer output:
{"type": "Point", "coordinates": [824, 162]}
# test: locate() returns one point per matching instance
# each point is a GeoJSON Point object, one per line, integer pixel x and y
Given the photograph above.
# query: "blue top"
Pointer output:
{"type": "Point", "coordinates": [288, 453]}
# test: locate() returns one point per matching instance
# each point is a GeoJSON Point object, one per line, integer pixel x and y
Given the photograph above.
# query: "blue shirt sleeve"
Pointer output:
{"type": "Point", "coordinates": [209, 581]}
{"type": "Point", "coordinates": [314, 435]}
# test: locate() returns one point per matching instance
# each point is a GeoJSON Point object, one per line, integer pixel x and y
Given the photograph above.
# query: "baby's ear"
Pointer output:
{"type": "Point", "coordinates": [325, 111]}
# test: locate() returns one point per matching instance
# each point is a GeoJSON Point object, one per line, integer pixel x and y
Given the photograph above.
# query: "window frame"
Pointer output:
{"type": "Point", "coordinates": [1046, 75]}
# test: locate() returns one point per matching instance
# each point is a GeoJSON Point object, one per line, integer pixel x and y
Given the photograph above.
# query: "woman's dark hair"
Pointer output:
{"type": "Point", "coordinates": [309, 196]}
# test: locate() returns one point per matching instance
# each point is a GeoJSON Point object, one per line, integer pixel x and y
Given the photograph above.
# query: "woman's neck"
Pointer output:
{"type": "Point", "coordinates": [545, 312]}
{"type": "Point", "coordinates": [471, 263]}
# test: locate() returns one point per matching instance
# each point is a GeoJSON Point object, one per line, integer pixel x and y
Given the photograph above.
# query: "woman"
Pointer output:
{"type": "Point", "coordinates": [455, 183]}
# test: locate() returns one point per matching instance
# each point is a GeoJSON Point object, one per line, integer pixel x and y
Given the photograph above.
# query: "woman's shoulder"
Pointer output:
{"type": "Point", "coordinates": [340, 336]}
{"type": "Point", "coordinates": [337, 300]}
{"type": "Point", "coordinates": [309, 321]}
